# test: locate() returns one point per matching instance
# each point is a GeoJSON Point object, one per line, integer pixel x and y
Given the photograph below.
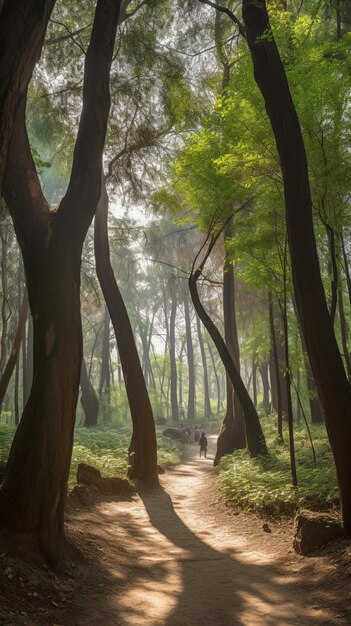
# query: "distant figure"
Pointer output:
{"type": "Point", "coordinates": [182, 415]}
{"type": "Point", "coordinates": [203, 444]}
{"type": "Point", "coordinates": [196, 435]}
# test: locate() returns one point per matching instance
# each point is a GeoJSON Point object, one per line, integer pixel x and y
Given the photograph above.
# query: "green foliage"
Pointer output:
{"type": "Point", "coordinates": [103, 448]}
{"type": "Point", "coordinates": [263, 484]}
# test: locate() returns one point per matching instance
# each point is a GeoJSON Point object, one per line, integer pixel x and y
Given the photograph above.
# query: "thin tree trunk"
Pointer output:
{"type": "Point", "coordinates": [143, 447]}
{"type": "Point", "coordinates": [104, 386]}
{"type": "Point", "coordinates": [218, 384]}
{"type": "Point", "coordinates": [88, 399]}
{"type": "Point", "coordinates": [346, 267]}
{"type": "Point", "coordinates": [276, 368]}
{"type": "Point", "coordinates": [207, 403]}
{"type": "Point", "coordinates": [316, 410]}
{"type": "Point", "coordinates": [232, 435]}
{"type": "Point", "coordinates": [190, 359]}
{"type": "Point", "coordinates": [254, 383]}
{"type": "Point", "coordinates": [344, 334]}
{"type": "Point", "coordinates": [263, 369]}
{"type": "Point", "coordinates": [13, 358]}
{"type": "Point", "coordinates": [4, 302]}
{"type": "Point", "coordinates": [172, 349]}
{"type": "Point", "coordinates": [327, 365]}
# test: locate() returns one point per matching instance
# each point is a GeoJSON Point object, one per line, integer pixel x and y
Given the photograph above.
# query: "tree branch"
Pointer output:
{"type": "Point", "coordinates": [227, 11]}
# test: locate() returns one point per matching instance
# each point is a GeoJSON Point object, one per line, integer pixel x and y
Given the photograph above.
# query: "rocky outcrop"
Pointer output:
{"type": "Point", "coordinates": [88, 475]}
{"type": "Point", "coordinates": [313, 530]}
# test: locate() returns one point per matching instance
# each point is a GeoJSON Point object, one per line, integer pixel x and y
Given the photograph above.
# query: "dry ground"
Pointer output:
{"type": "Point", "coordinates": [178, 557]}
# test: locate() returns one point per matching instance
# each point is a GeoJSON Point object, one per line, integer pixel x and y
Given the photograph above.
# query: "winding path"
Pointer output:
{"type": "Point", "coordinates": [178, 557]}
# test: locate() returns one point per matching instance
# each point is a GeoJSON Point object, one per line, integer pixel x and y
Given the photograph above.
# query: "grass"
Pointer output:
{"type": "Point", "coordinates": [264, 485]}
{"type": "Point", "coordinates": [104, 448]}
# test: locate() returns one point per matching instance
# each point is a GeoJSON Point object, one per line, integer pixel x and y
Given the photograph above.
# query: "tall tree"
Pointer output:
{"type": "Point", "coordinates": [33, 491]}
{"type": "Point", "coordinates": [143, 447]}
{"type": "Point", "coordinates": [328, 369]}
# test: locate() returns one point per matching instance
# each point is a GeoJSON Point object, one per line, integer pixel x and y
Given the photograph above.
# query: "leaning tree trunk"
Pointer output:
{"type": "Point", "coordinates": [328, 369]}
{"type": "Point", "coordinates": [143, 446]}
{"type": "Point", "coordinates": [255, 437]}
{"type": "Point", "coordinates": [33, 491]}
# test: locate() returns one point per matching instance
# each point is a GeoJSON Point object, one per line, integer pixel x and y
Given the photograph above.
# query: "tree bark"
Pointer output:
{"type": "Point", "coordinates": [255, 437]}
{"type": "Point", "coordinates": [143, 446]}
{"type": "Point", "coordinates": [328, 369]}
{"type": "Point", "coordinates": [33, 491]}
{"type": "Point", "coordinates": [22, 30]}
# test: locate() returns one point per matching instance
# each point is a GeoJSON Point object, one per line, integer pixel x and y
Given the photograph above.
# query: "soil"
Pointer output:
{"type": "Point", "coordinates": [177, 556]}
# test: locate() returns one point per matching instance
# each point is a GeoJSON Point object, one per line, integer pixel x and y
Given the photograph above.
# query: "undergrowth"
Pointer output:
{"type": "Point", "coordinates": [263, 484]}
{"type": "Point", "coordinates": [103, 448]}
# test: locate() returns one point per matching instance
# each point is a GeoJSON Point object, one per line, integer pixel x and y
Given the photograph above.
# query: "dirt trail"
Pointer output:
{"type": "Point", "coordinates": [179, 557]}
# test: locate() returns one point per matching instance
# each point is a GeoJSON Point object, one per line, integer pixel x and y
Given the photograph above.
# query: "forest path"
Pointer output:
{"type": "Point", "coordinates": [178, 557]}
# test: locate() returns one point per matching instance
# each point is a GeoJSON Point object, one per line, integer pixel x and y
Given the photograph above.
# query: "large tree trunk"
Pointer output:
{"type": "Point", "coordinates": [255, 437]}
{"type": "Point", "coordinates": [34, 488]}
{"type": "Point", "coordinates": [22, 30]}
{"type": "Point", "coordinates": [328, 369]}
{"type": "Point", "coordinates": [33, 491]}
{"type": "Point", "coordinates": [88, 398]}
{"type": "Point", "coordinates": [143, 446]}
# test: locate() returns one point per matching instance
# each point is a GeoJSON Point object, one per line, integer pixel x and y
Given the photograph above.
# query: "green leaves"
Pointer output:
{"type": "Point", "coordinates": [263, 484]}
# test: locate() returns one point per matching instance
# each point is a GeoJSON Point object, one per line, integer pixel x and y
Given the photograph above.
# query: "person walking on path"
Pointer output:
{"type": "Point", "coordinates": [203, 444]}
